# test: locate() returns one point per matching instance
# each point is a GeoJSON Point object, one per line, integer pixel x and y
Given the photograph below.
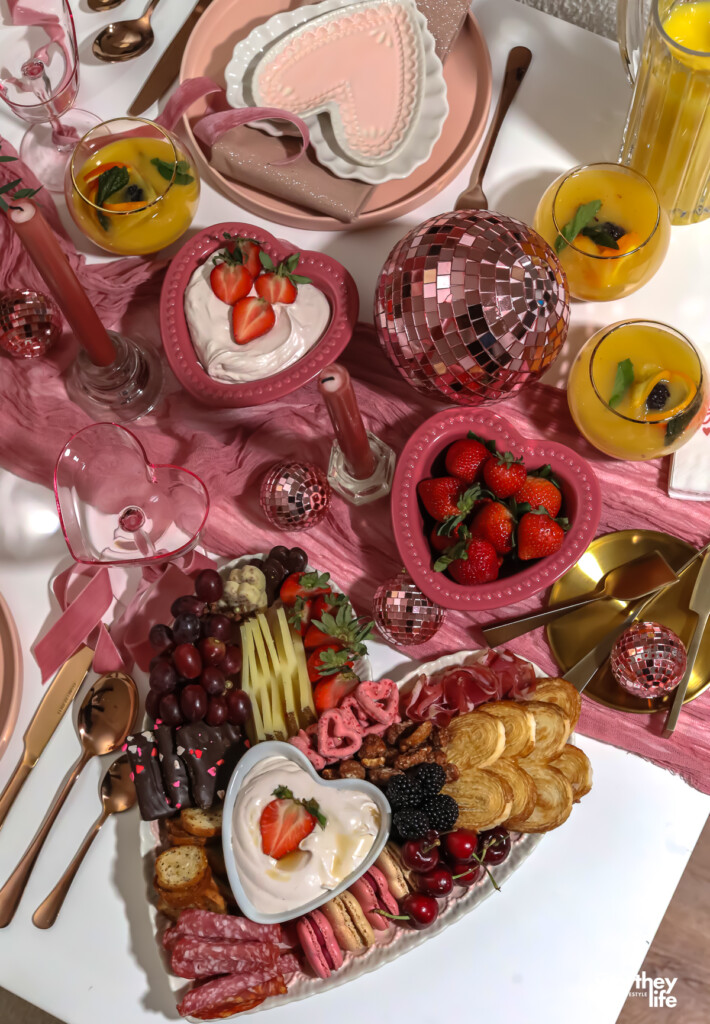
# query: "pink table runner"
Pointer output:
{"type": "Point", "coordinates": [231, 450]}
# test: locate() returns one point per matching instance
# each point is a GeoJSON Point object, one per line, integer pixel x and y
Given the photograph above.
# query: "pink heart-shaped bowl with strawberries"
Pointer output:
{"type": "Point", "coordinates": [325, 273]}
{"type": "Point", "coordinates": [422, 458]}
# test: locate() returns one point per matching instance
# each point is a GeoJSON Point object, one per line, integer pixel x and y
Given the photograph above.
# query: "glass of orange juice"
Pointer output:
{"type": "Point", "coordinates": [638, 390]}
{"type": "Point", "coordinates": [131, 186]}
{"type": "Point", "coordinates": [607, 227]}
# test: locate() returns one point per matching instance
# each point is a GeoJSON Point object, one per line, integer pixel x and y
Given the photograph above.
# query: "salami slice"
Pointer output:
{"type": "Point", "coordinates": [210, 967]}
{"type": "Point", "coordinates": [261, 953]}
{"type": "Point", "coordinates": [206, 925]}
{"type": "Point", "coordinates": [288, 963]}
{"type": "Point", "coordinates": [232, 993]}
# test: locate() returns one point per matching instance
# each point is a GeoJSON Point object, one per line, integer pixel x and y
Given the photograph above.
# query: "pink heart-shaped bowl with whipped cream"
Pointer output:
{"type": "Point", "coordinates": [422, 457]}
{"type": "Point", "coordinates": [326, 275]}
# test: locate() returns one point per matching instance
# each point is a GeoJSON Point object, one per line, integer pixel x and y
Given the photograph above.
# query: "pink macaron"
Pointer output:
{"type": "Point", "coordinates": [319, 944]}
{"type": "Point", "coordinates": [373, 894]}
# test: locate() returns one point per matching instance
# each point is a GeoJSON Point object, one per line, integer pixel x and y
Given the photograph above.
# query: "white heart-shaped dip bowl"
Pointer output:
{"type": "Point", "coordinates": [270, 891]}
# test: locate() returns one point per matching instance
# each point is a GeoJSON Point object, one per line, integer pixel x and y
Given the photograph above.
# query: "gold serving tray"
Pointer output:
{"type": "Point", "coordinates": [573, 635]}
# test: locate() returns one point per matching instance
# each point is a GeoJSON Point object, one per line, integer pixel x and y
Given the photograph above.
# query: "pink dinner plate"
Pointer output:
{"type": "Point", "coordinates": [468, 79]}
{"type": "Point", "coordinates": [582, 504]}
{"type": "Point", "coordinates": [325, 273]}
{"type": "Point", "coordinates": [10, 675]}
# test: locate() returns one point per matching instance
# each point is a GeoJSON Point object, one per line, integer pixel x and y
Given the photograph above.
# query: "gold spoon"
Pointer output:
{"type": "Point", "coordinates": [118, 794]}
{"type": "Point", "coordinates": [105, 719]}
{"type": "Point", "coordinates": [124, 40]}
{"type": "Point", "coordinates": [104, 5]}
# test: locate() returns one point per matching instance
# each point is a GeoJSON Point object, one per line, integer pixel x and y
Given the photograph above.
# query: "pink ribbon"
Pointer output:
{"type": "Point", "coordinates": [127, 644]}
{"type": "Point", "coordinates": [213, 126]}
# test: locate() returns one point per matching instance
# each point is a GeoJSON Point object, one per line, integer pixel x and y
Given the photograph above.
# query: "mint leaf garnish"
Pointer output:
{"type": "Point", "coordinates": [622, 382]}
{"type": "Point", "coordinates": [585, 215]}
{"type": "Point", "coordinates": [181, 169]}
{"type": "Point", "coordinates": [111, 181]}
{"type": "Point", "coordinates": [600, 235]}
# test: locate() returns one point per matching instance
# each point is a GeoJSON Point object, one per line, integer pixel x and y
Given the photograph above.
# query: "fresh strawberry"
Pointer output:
{"type": "Point", "coordinates": [279, 284]}
{"type": "Point", "coordinates": [230, 280]}
{"type": "Point", "coordinates": [464, 459]}
{"type": "Point", "coordinates": [440, 496]}
{"type": "Point", "coordinates": [343, 629]}
{"type": "Point", "coordinates": [538, 536]}
{"type": "Point", "coordinates": [327, 603]}
{"type": "Point", "coordinates": [540, 490]}
{"type": "Point", "coordinates": [246, 251]}
{"type": "Point", "coordinates": [480, 564]}
{"type": "Point", "coordinates": [440, 541]}
{"type": "Point", "coordinates": [285, 822]}
{"type": "Point", "coordinates": [326, 661]}
{"type": "Point", "coordinates": [504, 474]}
{"type": "Point", "coordinates": [329, 692]}
{"type": "Point", "coordinates": [299, 614]}
{"type": "Point", "coordinates": [251, 317]}
{"type": "Point", "coordinates": [494, 523]}
{"type": "Point", "coordinates": [304, 585]}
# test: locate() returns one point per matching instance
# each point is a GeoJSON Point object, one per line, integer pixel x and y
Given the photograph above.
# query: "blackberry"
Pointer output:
{"type": "Point", "coordinates": [658, 397]}
{"type": "Point", "coordinates": [402, 791]}
{"type": "Point", "coordinates": [612, 229]}
{"type": "Point", "coordinates": [134, 194]}
{"type": "Point", "coordinates": [431, 777]}
{"type": "Point", "coordinates": [411, 823]}
{"type": "Point", "coordinates": [442, 811]}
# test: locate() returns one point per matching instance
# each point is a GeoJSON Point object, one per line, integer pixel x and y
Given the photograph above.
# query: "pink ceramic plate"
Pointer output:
{"type": "Point", "coordinates": [580, 489]}
{"type": "Point", "coordinates": [327, 274]}
{"type": "Point", "coordinates": [467, 73]}
{"type": "Point", "coordinates": [10, 675]}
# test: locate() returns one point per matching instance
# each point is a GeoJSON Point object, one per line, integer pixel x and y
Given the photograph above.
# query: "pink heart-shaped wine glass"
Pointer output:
{"type": "Point", "coordinates": [117, 508]}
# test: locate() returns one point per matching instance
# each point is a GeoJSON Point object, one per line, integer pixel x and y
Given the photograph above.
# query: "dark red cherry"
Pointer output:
{"type": "Point", "coordinates": [493, 845]}
{"type": "Point", "coordinates": [460, 845]}
{"type": "Point", "coordinates": [420, 854]}
{"type": "Point", "coordinates": [437, 882]}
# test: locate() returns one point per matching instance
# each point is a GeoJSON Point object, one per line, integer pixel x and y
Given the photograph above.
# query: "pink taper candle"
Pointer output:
{"type": "Point", "coordinates": [38, 239]}
{"type": "Point", "coordinates": [336, 388]}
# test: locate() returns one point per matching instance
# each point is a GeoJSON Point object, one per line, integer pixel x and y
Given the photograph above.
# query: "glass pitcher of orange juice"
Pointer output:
{"type": "Point", "coordinates": [667, 133]}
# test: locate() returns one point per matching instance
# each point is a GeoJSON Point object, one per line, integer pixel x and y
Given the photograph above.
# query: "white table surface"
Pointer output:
{"type": "Point", "coordinates": [568, 933]}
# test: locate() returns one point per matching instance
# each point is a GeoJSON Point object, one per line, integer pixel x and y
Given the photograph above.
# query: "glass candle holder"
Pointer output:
{"type": "Point", "coordinates": [629, 216]}
{"type": "Point", "coordinates": [638, 390]}
{"type": "Point", "coordinates": [132, 187]}
{"type": "Point", "coordinates": [30, 324]}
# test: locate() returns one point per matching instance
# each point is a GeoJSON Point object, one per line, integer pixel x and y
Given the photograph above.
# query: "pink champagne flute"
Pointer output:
{"type": "Point", "coordinates": [39, 81]}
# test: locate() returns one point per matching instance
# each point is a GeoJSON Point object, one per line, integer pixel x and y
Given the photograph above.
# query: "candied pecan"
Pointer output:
{"type": "Point", "coordinates": [440, 758]}
{"type": "Point", "coordinates": [391, 755]}
{"type": "Point", "coordinates": [440, 737]}
{"type": "Point", "coordinates": [351, 769]}
{"type": "Point", "coordinates": [373, 746]}
{"type": "Point", "coordinates": [412, 757]}
{"type": "Point", "coordinates": [330, 773]}
{"type": "Point", "coordinates": [452, 772]}
{"type": "Point", "coordinates": [416, 738]}
{"type": "Point", "coordinates": [382, 775]}
{"type": "Point", "coordinates": [373, 762]}
{"type": "Point", "coordinates": [395, 731]}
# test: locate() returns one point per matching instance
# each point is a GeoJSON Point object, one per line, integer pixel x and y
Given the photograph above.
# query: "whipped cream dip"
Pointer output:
{"type": "Point", "coordinates": [299, 325]}
{"type": "Point", "coordinates": [323, 859]}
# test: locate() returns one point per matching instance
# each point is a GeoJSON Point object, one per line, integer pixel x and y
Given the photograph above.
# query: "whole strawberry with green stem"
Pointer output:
{"type": "Point", "coordinates": [465, 458]}
{"type": "Point", "coordinates": [279, 283]}
{"type": "Point", "coordinates": [495, 523]}
{"type": "Point", "coordinates": [541, 490]}
{"type": "Point", "coordinates": [504, 474]}
{"type": "Point", "coordinates": [539, 535]}
{"type": "Point", "coordinates": [247, 251]}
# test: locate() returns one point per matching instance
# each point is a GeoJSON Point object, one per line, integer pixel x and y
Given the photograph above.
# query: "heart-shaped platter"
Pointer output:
{"type": "Point", "coordinates": [419, 460]}
{"type": "Point", "coordinates": [117, 508]}
{"type": "Point", "coordinates": [364, 76]}
{"type": "Point", "coordinates": [272, 365]}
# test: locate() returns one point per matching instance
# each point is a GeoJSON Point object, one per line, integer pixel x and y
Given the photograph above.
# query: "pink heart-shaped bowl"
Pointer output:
{"type": "Point", "coordinates": [582, 501]}
{"type": "Point", "coordinates": [327, 274]}
{"type": "Point", "coordinates": [117, 508]}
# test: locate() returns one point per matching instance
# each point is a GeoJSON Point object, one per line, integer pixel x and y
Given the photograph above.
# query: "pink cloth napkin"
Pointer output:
{"type": "Point", "coordinates": [231, 451]}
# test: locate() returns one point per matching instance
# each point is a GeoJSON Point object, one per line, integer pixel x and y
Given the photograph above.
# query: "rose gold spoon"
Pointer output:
{"type": "Point", "coordinates": [104, 5]}
{"type": "Point", "coordinates": [105, 719]}
{"type": "Point", "coordinates": [124, 40]}
{"type": "Point", "coordinates": [117, 794]}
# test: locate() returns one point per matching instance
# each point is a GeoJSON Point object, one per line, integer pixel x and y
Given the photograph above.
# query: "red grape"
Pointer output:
{"type": "Point", "coordinates": [170, 709]}
{"type": "Point", "coordinates": [218, 626]}
{"type": "Point", "coordinates": [152, 704]}
{"type": "Point", "coordinates": [186, 629]}
{"type": "Point", "coordinates": [212, 650]}
{"type": "Point", "coordinates": [163, 677]}
{"type": "Point", "coordinates": [208, 585]}
{"type": "Point", "coordinates": [187, 661]}
{"type": "Point", "coordinates": [213, 681]}
{"type": "Point", "coordinates": [187, 605]}
{"type": "Point", "coordinates": [193, 702]}
{"type": "Point", "coordinates": [161, 637]}
{"type": "Point", "coordinates": [232, 662]}
{"type": "Point", "coordinates": [216, 711]}
{"type": "Point", "coordinates": [238, 707]}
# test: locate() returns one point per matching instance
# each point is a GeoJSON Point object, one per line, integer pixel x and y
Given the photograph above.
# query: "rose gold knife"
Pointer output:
{"type": "Point", "coordinates": [166, 70]}
{"type": "Point", "coordinates": [60, 693]}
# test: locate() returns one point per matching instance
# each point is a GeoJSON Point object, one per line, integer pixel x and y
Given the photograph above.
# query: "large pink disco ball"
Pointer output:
{"type": "Point", "coordinates": [472, 305]}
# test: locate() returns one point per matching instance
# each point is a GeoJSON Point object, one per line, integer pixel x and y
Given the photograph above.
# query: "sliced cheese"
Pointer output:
{"type": "Point", "coordinates": [270, 682]}
{"type": "Point", "coordinates": [255, 728]}
{"type": "Point", "coordinates": [305, 690]}
{"type": "Point", "coordinates": [259, 681]}
{"type": "Point", "coordinates": [283, 686]}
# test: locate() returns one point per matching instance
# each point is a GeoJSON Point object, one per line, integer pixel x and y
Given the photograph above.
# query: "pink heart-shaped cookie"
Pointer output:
{"type": "Point", "coordinates": [361, 65]}
{"type": "Point", "coordinates": [339, 734]}
{"type": "Point", "coordinates": [117, 508]}
{"type": "Point", "coordinates": [380, 701]}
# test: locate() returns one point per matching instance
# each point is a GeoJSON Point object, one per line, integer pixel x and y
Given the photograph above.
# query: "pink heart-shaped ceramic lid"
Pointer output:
{"type": "Point", "coordinates": [580, 491]}
{"type": "Point", "coordinates": [117, 508]}
{"type": "Point", "coordinates": [325, 273]}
